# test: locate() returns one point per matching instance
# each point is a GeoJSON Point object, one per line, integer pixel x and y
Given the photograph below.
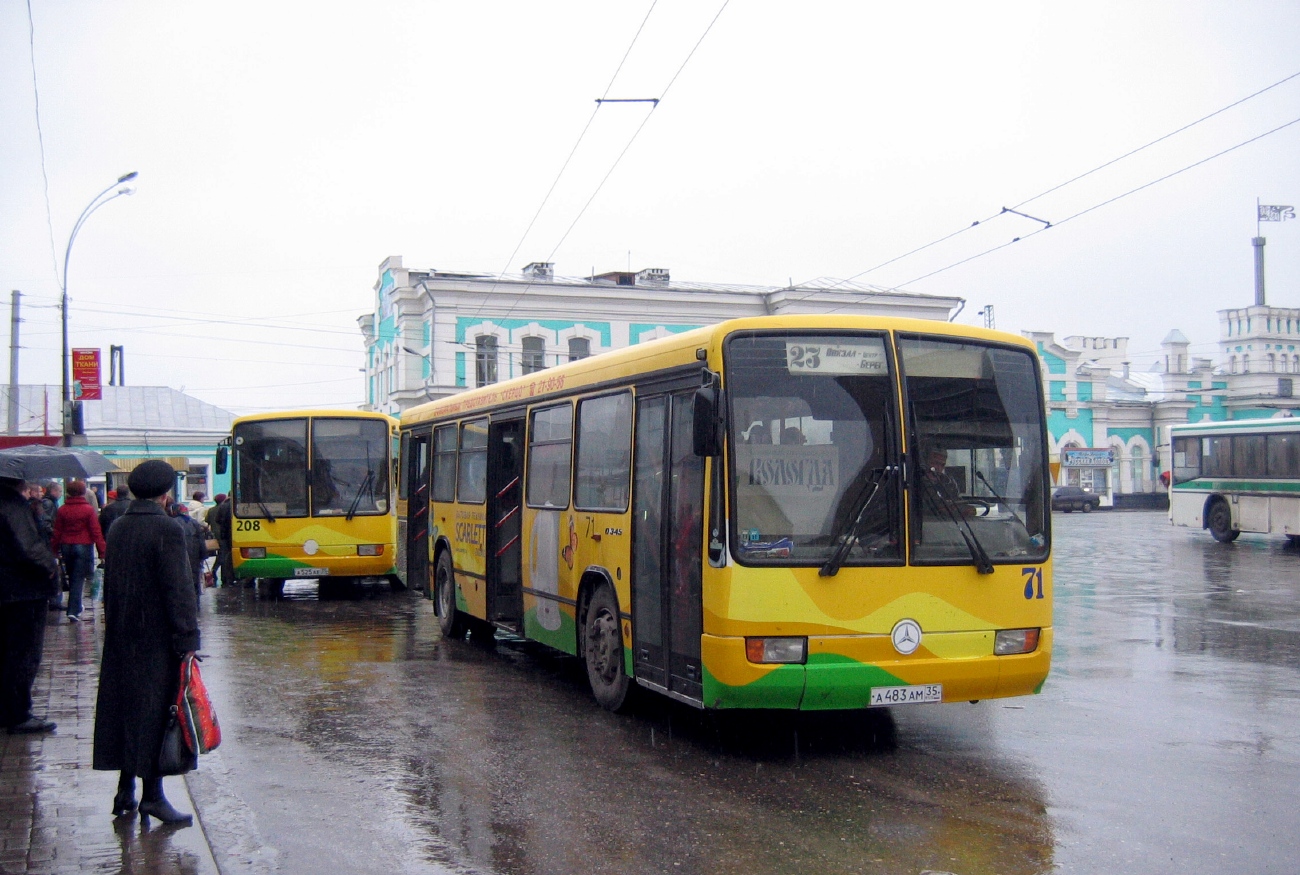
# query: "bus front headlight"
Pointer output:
{"type": "Point", "coordinates": [776, 650]}
{"type": "Point", "coordinates": [1009, 641]}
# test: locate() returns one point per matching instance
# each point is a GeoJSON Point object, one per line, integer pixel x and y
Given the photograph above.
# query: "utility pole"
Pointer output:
{"type": "Point", "coordinates": [13, 365]}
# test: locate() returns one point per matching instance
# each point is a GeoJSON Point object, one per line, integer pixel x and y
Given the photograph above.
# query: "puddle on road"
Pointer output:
{"type": "Point", "coordinates": [437, 755]}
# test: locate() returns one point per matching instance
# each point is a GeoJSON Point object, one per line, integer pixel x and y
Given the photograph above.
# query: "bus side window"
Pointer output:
{"type": "Point", "coordinates": [604, 453]}
{"type": "Point", "coordinates": [550, 439]}
{"type": "Point", "coordinates": [444, 463]}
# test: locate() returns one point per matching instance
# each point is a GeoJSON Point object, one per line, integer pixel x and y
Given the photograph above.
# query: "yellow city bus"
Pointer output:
{"type": "Point", "coordinates": [793, 512]}
{"type": "Point", "coordinates": [312, 495]}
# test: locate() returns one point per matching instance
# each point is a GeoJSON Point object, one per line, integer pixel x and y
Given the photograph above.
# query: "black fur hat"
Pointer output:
{"type": "Point", "coordinates": [151, 479]}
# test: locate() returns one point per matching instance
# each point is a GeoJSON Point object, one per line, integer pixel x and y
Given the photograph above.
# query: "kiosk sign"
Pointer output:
{"type": "Point", "coordinates": [85, 375]}
{"type": "Point", "coordinates": [1090, 458]}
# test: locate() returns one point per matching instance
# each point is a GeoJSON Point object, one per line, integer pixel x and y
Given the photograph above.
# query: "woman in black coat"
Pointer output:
{"type": "Point", "coordinates": [151, 619]}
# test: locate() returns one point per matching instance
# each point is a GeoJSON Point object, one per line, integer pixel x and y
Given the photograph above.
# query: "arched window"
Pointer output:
{"type": "Point", "coordinates": [1272, 363]}
{"type": "Point", "coordinates": [534, 358]}
{"type": "Point", "coordinates": [1139, 462]}
{"type": "Point", "coordinates": [579, 348]}
{"type": "Point", "coordinates": [1245, 364]}
{"type": "Point", "coordinates": [1232, 364]}
{"type": "Point", "coordinates": [485, 360]}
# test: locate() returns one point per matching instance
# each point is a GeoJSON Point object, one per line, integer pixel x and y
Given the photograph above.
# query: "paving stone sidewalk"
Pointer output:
{"type": "Point", "coordinates": [54, 809]}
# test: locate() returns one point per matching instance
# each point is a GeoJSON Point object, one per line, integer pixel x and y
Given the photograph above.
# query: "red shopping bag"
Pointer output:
{"type": "Point", "coordinates": [197, 717]}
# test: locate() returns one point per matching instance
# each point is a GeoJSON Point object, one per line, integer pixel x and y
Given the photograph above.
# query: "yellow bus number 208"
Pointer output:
{"type": "Point", "coordinates": [248, 525]}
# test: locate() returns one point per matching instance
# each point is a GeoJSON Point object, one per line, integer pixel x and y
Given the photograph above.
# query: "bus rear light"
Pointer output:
{"type": "Point", "coordinates": [252, 552]}
{"type": "Point", "coordinates": [1009, 641]}
{"type": "Point", "coordinates": [776, 650]}
{"type": "Point", "coordinates": [370, 549]}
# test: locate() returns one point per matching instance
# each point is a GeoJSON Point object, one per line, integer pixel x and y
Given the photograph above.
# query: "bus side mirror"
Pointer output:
{"type": "Point", "coordinates": [704, 434]}
{"type": "Point", "coordinates": [221, 460]}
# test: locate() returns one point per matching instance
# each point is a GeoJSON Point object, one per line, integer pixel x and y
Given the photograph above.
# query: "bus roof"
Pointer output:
{"type": "Point", "coordinates": [678, 350]}
{"type": "Point", "coordinates": [1278, 423]}
{"type": "Point", "coordinates": [303, 414]}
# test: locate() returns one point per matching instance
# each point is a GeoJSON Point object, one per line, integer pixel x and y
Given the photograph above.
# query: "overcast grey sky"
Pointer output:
{"type": "Point", "coordinates": [283, 153]}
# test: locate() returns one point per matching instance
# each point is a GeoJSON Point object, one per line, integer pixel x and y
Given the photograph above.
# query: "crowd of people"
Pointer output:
{"type": "Point", "coordinates": [155, 552]}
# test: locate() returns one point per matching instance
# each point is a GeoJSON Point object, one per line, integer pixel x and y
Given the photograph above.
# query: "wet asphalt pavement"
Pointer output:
{"type": "Point", "coordinates": [1167, 740]}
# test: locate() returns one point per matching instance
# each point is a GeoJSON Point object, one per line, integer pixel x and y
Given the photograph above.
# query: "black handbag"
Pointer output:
{"type": "Point", "coordinates": [174, 757]}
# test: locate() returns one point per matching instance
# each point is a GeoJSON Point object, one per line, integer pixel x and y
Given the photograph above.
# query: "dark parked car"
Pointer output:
{"type": "Point", "coordinates": [1068, 498]}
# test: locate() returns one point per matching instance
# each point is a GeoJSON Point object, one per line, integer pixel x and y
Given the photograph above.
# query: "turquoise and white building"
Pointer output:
{"type": "Point", "coordinates": [1109, 425]}
{"type": "Point", "coordinates": [433, 333]}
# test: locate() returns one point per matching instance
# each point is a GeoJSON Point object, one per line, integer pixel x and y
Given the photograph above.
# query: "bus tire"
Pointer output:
{"type": "Point", "coordinates": [1219, 522]}
{"type": "Point", "coordinates": [603, 650]}
{"type": "Point", "coordinates": [450, 620]}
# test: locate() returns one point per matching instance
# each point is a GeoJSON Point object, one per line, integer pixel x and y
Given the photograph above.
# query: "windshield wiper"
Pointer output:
{"type": "Point", "coordinates": [849, 531]}
{"type": "Point", "coordinates": [356, 499]}
{"type": "Point", "coordinates": [266, 511]}
{"type": "Point", "coordinates": [983, 564]}
{"type": "Point", "coordinates": [1002, 501]}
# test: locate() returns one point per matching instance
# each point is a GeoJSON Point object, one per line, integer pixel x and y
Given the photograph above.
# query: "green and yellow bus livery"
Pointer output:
{"type": "Point", "coordinates": [802, 512]}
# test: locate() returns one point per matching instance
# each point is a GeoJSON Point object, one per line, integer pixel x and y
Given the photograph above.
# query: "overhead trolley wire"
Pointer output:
{"type": "Point", "coordinates": [1097, 206]}
{"type": "Point", "coordinates": [565, 166]}
{"type": "Point", "coordinates": [40, 139]}
{"type": "Point", "coordinates": [1071, 181]}
{"type": "Point", "coordinates": [654, 106]}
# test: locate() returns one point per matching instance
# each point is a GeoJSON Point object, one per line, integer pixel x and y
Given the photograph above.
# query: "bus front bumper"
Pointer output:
{"type": "Point", "coordinates": [287, 568]}
{"type": "Point", "coordinates": [842, 670]}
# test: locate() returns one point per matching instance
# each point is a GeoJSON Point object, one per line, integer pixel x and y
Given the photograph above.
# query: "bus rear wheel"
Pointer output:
{"type": "Point", "coordinates": [1219, 522]}
{"type": "Point", "coordinates": [450, 620]}
{"type": "Point", "coordinates": [603, 651]}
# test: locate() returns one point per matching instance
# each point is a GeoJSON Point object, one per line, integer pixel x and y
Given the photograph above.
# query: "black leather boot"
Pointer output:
{"type": "Point", "coordinates": [155, 804]}
{"type": "Point", "coordinates": [124, 801]}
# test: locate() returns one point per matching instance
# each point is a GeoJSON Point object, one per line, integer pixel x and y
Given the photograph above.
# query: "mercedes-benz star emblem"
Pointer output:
{"type": "Point", "coordinates": [906, 636]}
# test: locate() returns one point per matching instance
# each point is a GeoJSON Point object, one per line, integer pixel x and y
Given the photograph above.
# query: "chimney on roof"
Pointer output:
{"type": "Point", "coordinates": [540, 270]}
{"type": "Point", "coordinates": [652, 276]}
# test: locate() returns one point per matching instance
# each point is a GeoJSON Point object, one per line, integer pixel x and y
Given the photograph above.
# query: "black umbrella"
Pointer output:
{"type": "Point", "coordinates": [36, 461]}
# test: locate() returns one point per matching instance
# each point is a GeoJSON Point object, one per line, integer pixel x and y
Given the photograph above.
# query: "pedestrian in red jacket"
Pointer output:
{"type": "Point", "coordinates": [76, 536]}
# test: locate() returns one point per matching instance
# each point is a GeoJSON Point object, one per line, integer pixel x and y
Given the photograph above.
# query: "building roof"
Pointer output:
{"type": "Point", "coordinates": [122, 410]}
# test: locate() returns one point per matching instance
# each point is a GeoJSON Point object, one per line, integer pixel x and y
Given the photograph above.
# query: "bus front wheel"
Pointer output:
{"type": "Point", "coordinates": [450, 620]}
{"type": "Point", "coordinates": [1219, 522]}
{"type": "Point", "coordinates": [603, 651]}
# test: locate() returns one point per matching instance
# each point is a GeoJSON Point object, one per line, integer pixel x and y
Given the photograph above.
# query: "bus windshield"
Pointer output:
{"type": "Point", "coordinates": [976, 442]}
{"type": "Point", "coordinates": [270, 475]}
{"type": "Point", "coordinates": [347, 474]}
{"type": "Point", "coordinates": [349, 465]}
{"type": "Point", "coordinates": [812, 439]}
{"type": "Point", "coordinates": [816, 478]}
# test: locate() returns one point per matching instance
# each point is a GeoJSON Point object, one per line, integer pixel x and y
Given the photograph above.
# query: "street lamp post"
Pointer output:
{"type": "Point", "coordinates": [96, 202]}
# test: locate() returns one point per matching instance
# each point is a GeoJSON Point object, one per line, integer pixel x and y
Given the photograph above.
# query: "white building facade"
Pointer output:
{"type": "Point", "coordinates": [434, 333]}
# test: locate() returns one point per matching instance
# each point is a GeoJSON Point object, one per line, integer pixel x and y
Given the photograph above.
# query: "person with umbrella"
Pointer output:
{"type": "Point", "coordinates": [28, 578]}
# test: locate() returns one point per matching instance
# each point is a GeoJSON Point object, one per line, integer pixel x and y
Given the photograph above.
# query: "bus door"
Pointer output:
{"type": "Point", "coordinates": [417, 511]}
{"type": "Point", "coordinates": [505, 594]}
{"type": "Point", "coordinates": [667, 538]}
